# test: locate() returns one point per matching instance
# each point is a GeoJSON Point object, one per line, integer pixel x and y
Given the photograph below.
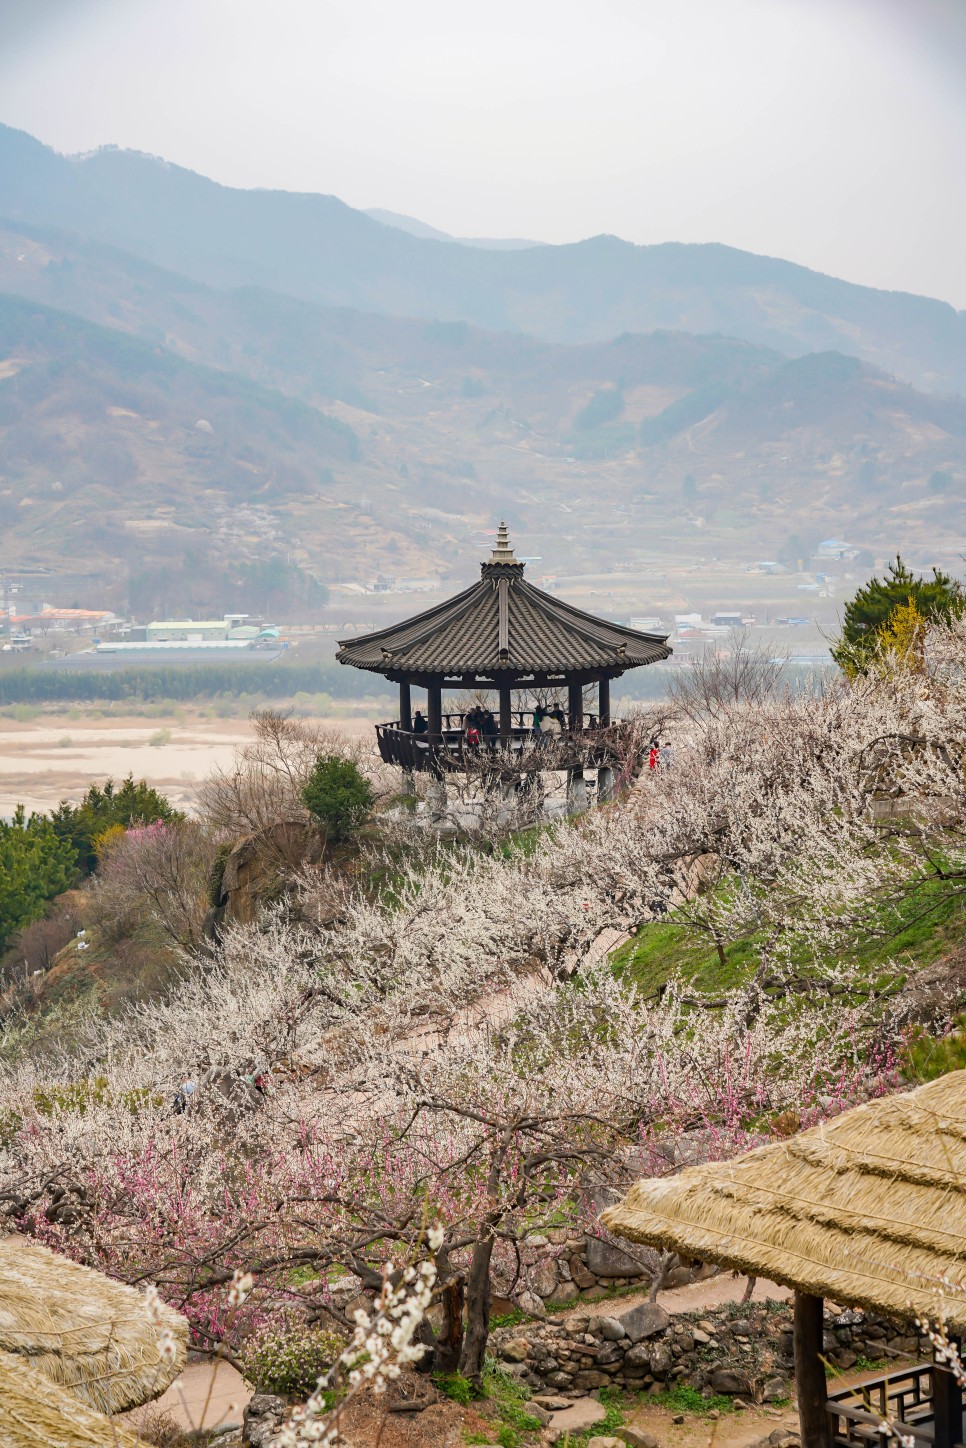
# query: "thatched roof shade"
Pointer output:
{"type": "Point", "coordinates": [868, 1209]}
{"type": "Point", "coordinates": [83, 1330]}
{"type": "Point", "coordinates": [35, 1413]}
{"type": "Point", "coordinates": [500, 626]}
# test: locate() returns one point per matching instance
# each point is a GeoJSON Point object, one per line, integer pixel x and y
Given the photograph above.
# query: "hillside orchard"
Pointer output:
{"type": "Point", "coordinates": [413, 1033]}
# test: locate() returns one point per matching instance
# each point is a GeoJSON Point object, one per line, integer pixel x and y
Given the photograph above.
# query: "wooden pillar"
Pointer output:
{"type": "Point", "coordinates": [434, 704]}
{"type": "Point", "coordinates": [405, 706]}
{"type": "Point", "coordinates": [810, 1372]}
{"type": "Point", "coordinates": [604, 707]}
{"type": "Point", "coordinates": [947, 1399]}
{"type": "Point", "coordinates": [506, 710]}
{"type": "Point", "coordinates": [575, 707]}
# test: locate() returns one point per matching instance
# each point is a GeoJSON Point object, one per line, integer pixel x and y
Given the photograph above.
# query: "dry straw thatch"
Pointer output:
{"type": "Point", "coordinates": [35, 1413]}
{"type": "Point", "coordinates": [82, 1330]}
{"type": "Point", "coordinates": [868, 1209]}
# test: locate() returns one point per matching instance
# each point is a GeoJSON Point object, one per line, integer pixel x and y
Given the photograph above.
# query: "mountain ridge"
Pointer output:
{"type": "Point", "coordinates": [315, 247]}
{"type": "Point", "coordinates": [415, 227]}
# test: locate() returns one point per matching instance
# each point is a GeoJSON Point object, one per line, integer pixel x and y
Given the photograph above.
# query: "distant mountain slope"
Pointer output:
{"type": "Point", "coordinates": [114, 453]}
{"type": "Point", "coordinates": [366, 360]}
{"type": "Point", "coordinates": [415, 227]}
{"type": "Point", "coordinates": [317, 248]}
{"type": "Point", "coordinates": [357, 444]}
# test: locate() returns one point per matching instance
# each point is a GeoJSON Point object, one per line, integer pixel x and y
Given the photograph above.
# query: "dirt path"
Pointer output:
{"type": "Point", "coordinates": [203, 1397]}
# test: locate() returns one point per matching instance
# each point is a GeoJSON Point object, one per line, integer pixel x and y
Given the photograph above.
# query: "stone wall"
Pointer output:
{"type": "Point", "coordinates": [739, 1351]}
{"type": "Point", "coordinates": [563, 1266]}
{"type": "Point", "coordinates": [558, 1268]}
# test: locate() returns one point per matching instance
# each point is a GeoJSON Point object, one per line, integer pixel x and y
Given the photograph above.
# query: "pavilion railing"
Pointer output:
{"type": "Point", "coordinates": [409, 750]}
{"type": "Point", "coordinates": [904, 1397]}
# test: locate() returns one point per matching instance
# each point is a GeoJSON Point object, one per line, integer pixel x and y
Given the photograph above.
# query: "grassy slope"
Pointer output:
{"type": "Point", "coordinates": [665, 949]}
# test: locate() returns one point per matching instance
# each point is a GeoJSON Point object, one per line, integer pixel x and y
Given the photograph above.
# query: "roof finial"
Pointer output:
{"type": "Point", "coordinates": [503, 552]}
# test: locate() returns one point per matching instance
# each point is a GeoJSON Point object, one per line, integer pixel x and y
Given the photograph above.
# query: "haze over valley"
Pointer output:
{"type": "Point", "coordinates": [178, 357]}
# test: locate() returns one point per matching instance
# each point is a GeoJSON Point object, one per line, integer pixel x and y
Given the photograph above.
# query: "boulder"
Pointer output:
{"type": "Point", "coordinates": [551, 1402]}
{"type": "Point", "coordinates": [774, 1389]}
{"type": "Point", "coordinates": [779, 1438]}
{"type": "Point", "coordinates": [567, 1292]}
{"type": "Point", "coordinates": [517, 1350]}
{"type": "Point", "coordinates": [661, 1359]}
{"type": "Point", "coordinates": [359, 1303]}
{"type": "Point", "coordinates": [638, 1356]}
{"type": "Point", "coordinates": [581, 1414]}
{"type": "Point", "coordinates": [607, 1261]}
{"type": "Point", "coordinates": [731, 1383]}
{"type": "Point", "coordinates": [588, 1379]}
{"type": "Point", "coordinates": [255, 863]}
{"type": "Point", "coordinates": [637, 1438]}
{"type": "Point", "coordinates": [644, 1321]}
{"type": "Point", "coordinates": [543, 1415]}
{"type": "Point", "coordinates": [610, 1329]}
{"type": "Point", "coordinates": [530, 1302]}
{"type": "Point", "coordinates": [543, 1277]}
{"type": "Point", "coordinates": [578, 1271]}
{"type": "Point", "coordinates": [263, 1418]}
{"type": "Point", "coordinates": [602, 1440]}
{"type": "Point", "coordinates": [609, 1353]}
{"type": "Point", "coordinates": [701, 1338]}
{"type": "Point", "coordinates": [343, 1289]}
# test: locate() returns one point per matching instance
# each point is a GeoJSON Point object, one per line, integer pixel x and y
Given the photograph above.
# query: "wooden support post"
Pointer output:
{"type": "Point", "coordinates": [405, 707]}
{"type": "Point", "coordinates": [810, 1372]}
{"type": "Point", "coordinates": [575, 707]}
{"type": "Point", "coordinates": [434, 704]}
{"type": "Point", "coordinates": [506, 711]}
{"type": "Point", "coordinates": [604, 709]}
{"type": "Point", "coordinates": [947, 1399]}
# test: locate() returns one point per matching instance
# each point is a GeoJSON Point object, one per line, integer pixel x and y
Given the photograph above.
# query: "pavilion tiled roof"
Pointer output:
{"type": "Point", "coordinates": [502, 624]}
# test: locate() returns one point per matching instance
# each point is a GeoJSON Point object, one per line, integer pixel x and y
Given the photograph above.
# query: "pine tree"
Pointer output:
{"type": "Point", "coordinates": [869, 615]}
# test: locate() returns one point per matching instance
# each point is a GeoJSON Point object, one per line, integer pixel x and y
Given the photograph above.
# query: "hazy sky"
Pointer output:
{"type": "Point", "coordinates": [831, 132]}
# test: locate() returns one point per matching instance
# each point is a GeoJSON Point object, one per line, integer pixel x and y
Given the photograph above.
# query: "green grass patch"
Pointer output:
{"type": "Point", "coordinates": [926, 1057]}
{"type": "Point", "coordinates": [508, 1398]}
{"type": "Point", "coordinates": [919, 930]}
{"type": "Point", "coordinates": [455, 1387]}
{"type": "Point", "coordinates": [682, 1399]}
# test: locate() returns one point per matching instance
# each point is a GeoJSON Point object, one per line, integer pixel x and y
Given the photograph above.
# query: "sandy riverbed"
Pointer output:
{"type": "Point", "coordinates": [50, 759]}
